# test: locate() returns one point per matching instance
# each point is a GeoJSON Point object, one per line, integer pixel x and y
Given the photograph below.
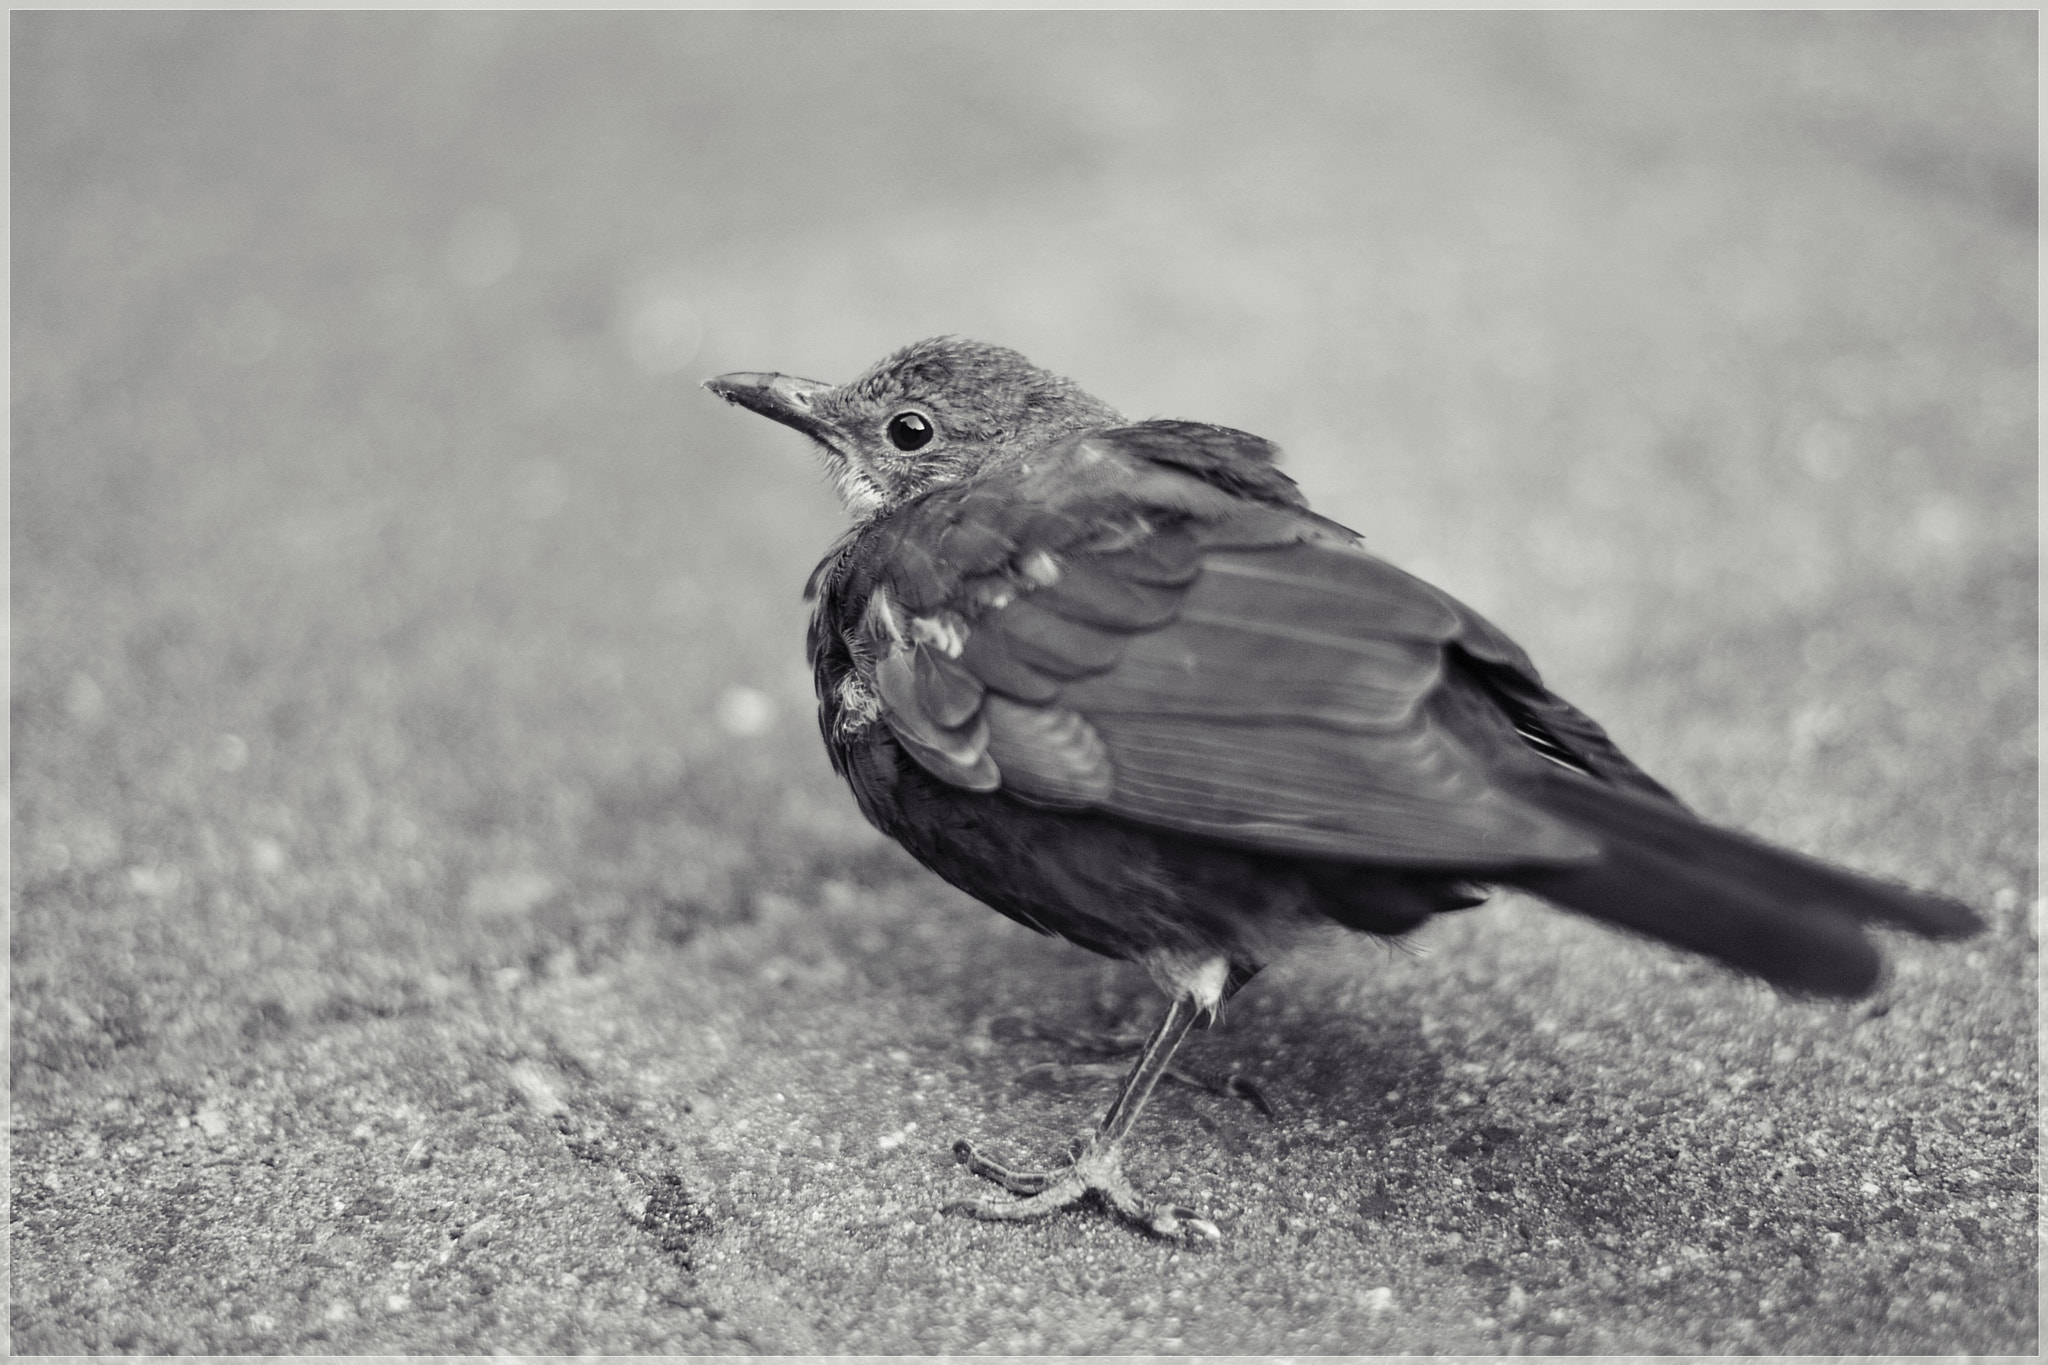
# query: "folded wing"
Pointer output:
{"type": "Point", "coordinates": [1244, 677]}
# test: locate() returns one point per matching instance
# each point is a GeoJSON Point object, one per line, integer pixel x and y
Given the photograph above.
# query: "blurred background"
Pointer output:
{"type": "Point", "coordinates": [410, 719]}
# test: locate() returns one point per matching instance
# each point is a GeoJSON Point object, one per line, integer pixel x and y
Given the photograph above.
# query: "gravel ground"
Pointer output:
{"type": "Point", "coordinates": [435, 927]}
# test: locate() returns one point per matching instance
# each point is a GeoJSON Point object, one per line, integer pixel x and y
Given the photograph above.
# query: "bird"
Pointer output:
{"type": "Point", "coordinates": [1118, 682]}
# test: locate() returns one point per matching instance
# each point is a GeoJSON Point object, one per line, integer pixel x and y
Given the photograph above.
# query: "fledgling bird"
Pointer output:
{"type": "Point", "coordinates": [1118, 682]}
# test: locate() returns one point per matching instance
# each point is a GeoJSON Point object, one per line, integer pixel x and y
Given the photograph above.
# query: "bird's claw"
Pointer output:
{"type": "Point", "coordinates": [1016, 1182]}
{"type": "Point", "coordinates": [1096, 1170]}
{"type": "Point", "coordinates": [1171, 1220]}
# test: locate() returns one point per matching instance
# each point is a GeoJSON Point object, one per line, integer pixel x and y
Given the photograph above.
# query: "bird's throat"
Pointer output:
{"type": "Point", "coordinates": [859, 490]}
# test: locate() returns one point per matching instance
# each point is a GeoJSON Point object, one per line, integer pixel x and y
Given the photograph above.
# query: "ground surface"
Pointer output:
{"type": "Point", "coordinates": [435, 927]}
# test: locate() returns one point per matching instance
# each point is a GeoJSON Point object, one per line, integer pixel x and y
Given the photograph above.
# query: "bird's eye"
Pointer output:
{"type": "Point", "coordinates": [910, 430]}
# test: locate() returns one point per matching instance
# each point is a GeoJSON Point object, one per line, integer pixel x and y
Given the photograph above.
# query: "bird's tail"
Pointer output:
{"type": "Point", "coordinates": [1790, 919]}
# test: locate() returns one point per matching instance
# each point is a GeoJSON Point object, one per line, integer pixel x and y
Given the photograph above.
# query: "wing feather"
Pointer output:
{"type": "Point", "coordinates": [1335, 589]}
{"type": "Point", "coordinates": [1049, 754]}
{"type": "Point", "coordinates": [945, 689]}
{"type": "Point", "coordinates": [957, 754]}
{"type": "Point", "coordinates": [1224, 672]}
{"type": "Point", "coordinates": [1096, 595]}
{"type": "Point", "coordinates": [989, 654]}
{"type": "Point", "coordinates": [1167, 558]}
{"type": "Point", "coordinates": [1051, 643]}
{"type": "Point", "coordinates": [1410, 796]}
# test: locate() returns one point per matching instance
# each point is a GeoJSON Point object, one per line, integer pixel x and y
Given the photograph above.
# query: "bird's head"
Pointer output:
{"type": "Point", "coordinates": [929, 415]}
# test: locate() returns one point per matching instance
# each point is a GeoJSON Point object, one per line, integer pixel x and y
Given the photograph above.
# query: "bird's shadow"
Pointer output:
{"type": "Point", "coordinates": [1053, 1019]}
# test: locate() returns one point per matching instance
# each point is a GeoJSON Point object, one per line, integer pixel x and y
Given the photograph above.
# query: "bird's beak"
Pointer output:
{"type": "Point", "coordinates": [780, 397]}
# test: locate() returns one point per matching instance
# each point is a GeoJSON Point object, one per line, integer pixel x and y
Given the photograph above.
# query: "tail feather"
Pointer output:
{"type": "Point", "coordinates": [1788, 918]}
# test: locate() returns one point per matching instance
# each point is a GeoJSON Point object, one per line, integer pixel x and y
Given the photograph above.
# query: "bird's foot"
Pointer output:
{"type": "Point", "coordinates": [1097, 1170]}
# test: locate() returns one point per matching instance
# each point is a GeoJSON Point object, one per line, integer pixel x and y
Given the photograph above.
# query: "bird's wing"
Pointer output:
{"type": "Point", "coordinates": [1141, 637]}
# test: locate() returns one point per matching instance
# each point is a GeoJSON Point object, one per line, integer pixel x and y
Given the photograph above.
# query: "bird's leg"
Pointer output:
{"type": "Point", "coordinates": [1097, 1166]}
{"type": "Point", "coordinates": [1230, 1085]}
